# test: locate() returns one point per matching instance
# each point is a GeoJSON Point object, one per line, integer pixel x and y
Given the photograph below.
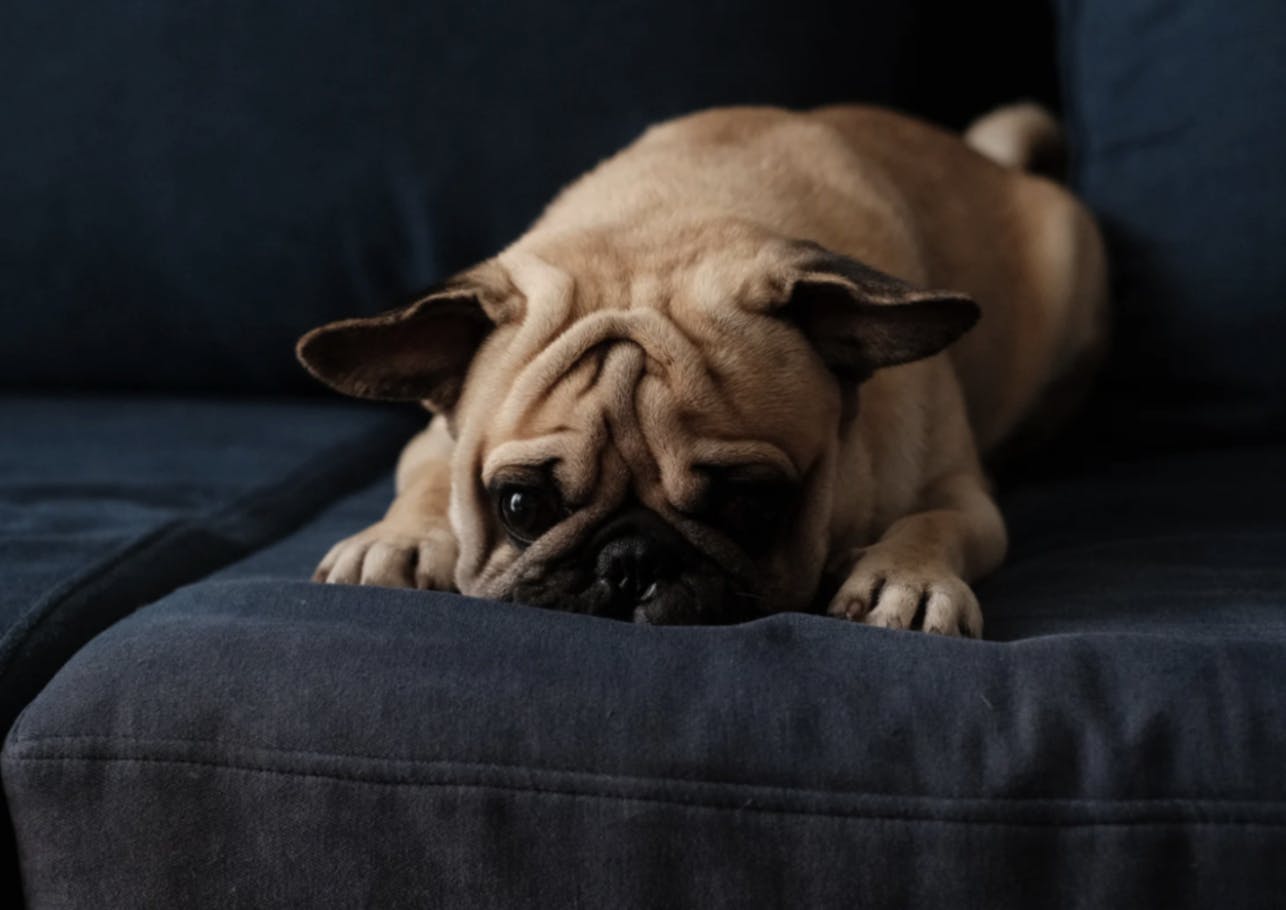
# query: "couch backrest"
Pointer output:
{"type": "Point", "coordinates": [187, 186]}
{"type": "Point", "coordinates": [1178, 117]}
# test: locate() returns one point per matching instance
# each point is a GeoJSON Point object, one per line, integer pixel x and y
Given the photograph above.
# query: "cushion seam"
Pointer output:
{"type": "Point", "coordinates": [17, 753]}
{"type": "Point", "coordinates": [266, 528]}
{"type": "Point", "coordinates": [739, 805]}
{"type": "Point", "coordinates": [13, 638]}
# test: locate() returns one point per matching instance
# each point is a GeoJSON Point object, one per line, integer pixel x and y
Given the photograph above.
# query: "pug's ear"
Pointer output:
{"type": "Point", "coordinates": [861, 320]}
{"type": "Point", "coordinates": [419, 352]}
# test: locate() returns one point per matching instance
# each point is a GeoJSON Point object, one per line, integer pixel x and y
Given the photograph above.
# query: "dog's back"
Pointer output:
{"type": "Point", "coordinates": [898, 194]}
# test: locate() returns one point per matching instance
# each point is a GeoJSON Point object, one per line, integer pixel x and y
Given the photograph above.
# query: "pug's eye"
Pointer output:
{"type": "Point", "coordinates": [751, 513]}
{"type": "Point", "coordinates": [527, 512]}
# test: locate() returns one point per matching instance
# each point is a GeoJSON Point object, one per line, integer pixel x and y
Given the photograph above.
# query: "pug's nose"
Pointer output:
{"type": "Point", "coordinates": [632, 567]}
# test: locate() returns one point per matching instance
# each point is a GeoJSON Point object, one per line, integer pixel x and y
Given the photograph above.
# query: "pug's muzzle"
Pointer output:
{"type": "Point", "coordinates": [637, 567]}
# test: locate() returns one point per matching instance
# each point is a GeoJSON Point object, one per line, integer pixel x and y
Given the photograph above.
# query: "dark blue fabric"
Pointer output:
{"type": "Point", "coordinates": [186, 187]}
{"type": "Point", "coordinates": [1181, 543]}
{"type": "Point", "coordinates": [108, 503]}
{"type": "Point", "coordinates": [294, 556]}
{"type": "Point", "coordinates": [85, 479]}
{"type": "Point", "coordinates": [1175, 112]}
{"type": "Point", "coordinates": [1119, 743]}
{"type": "Point", "coordinates": [315, 746]}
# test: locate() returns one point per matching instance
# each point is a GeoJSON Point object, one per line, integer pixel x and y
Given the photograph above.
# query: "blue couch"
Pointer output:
{"type": "Point", "coordinates": [186, 187]}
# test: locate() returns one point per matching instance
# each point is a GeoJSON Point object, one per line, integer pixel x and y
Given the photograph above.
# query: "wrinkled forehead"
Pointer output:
{"type": "Point", "coordinates": [651, 402]}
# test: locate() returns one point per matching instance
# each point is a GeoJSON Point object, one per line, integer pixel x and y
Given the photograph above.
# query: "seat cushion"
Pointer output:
{"type": "Point", "coordinates": [107, 503]}
{"type": "Point", "coordinates": [1119, 742]}
{"type": "Point", "coordinates": [1181, 543]}
{"type": "Point", "coordinates": [1174, 117]}
{"type": "Point", "coordinates": [192, 186]}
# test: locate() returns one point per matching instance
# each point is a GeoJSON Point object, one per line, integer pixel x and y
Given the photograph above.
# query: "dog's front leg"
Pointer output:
{"type": "Point", "coordinates": [413, 545]}
{"type": "Point", "coordinates": [924, 562]}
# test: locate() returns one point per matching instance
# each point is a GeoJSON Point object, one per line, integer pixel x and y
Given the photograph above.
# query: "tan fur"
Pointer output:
{"type": "Point", "coordinates": [1017, 136]}
{"type": "Point", "coordinates": [637, 336]}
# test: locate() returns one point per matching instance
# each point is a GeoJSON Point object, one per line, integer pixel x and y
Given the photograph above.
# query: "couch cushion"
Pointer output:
{"type": "Point", "coordinates": [313, 746]}
{"type": "Point", "coordinates": [1175, 115]}
{"type": "Point", "coordinates": [186, 188]}
{"type": "Point", "coordinates": [1121, 743]}
{"type": "Point", "coordinates": [108, 503]}
{"type": "Point", "coordinates": [1182, 543]}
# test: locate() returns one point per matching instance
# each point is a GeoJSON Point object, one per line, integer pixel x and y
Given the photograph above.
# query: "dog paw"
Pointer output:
{"type": "Point", "coordinates": [890, 593]}
{"type": "Point", "coordinates": [393, 558]}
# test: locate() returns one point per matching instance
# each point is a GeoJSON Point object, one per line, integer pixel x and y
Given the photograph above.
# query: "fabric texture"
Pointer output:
{"type": "Point", "coordinates": [185, 188]}
{"type": "Point", "coordinates": [188, 187]}
{"type": "Point", "coordinates": [108, 503]}
{"type": "Point", "coordinates": [401, 748]}
{"type": "Point", "coordinates": [1174, 112]}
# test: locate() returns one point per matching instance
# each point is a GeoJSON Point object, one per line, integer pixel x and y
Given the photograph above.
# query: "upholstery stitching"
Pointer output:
{"type": "Point", "coordinates": [410, 765]}
{"type": "Point", "coordinates": [735, 805]}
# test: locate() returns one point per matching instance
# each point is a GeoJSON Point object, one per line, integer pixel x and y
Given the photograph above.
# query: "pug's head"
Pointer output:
{"type": "Point", "coordinates": [642, 432]}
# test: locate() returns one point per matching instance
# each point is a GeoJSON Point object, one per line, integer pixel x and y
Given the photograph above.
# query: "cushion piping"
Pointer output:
{"type": "Point", "coordinates": [665, 789]}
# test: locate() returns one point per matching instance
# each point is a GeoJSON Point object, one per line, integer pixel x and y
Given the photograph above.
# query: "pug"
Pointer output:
{"type": "Point", "coordinates": [752, 363]}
